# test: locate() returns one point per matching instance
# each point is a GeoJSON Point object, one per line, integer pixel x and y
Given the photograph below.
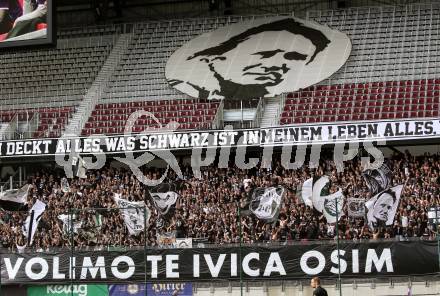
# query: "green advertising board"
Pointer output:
{"type": "Point", "coordinates": [65, 290]}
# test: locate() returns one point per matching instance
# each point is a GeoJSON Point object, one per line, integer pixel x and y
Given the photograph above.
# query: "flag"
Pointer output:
{"type": "Point", "coordinates": [324, 202]}
{"type": "Point", "coordinates": [306, 192]}
{"type": "Point", "coordinates": [378, 180]}
{"type": "Point", "coordinates": [14, 199]}
{"type": "Point", "coordinates": [382, 207]}
{"type": "Point", "coordinates": [31, 222]}
{"type": "Point", "coordinates": [356, 207]}
{"type": "Point", "coordinates": [98, 220]}
{"type": "Point", "coordinates": [133, 213]}
{"type": "Point", "coordinates": [266, 203]}
{"type": "Point", "coordinates": [320, 189]}
{"type": "Point", "coordinates": [164, 197]}
{"type": "Point", "coordinates": [65, 187]}
{"type": "Point", "coordinates": [67, 223]}
{"type": "Point", "coordinates": [79, 169]}
{"type": "Point", "coordinates": [332, 206]}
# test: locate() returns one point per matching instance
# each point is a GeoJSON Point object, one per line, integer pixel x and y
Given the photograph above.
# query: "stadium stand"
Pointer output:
{"type": "Point", "coordinates": [392, 46]}
{"type": "Point", "coordinates": [207, 207]}
{"type": "Point", "coordinates": [190, 114]}
{"type": "Point", "coordinates": [50, 83]}
{"type": "Point", "coordinates": [351, 102]}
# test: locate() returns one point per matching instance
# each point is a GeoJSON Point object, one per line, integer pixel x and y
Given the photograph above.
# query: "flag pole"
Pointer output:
{"type": "Point", "coordinates": [240, 253]}
{"type": "Point", "coordinates": [337, 246]}
{"type": "Point", "coordinates": [437, 235]}
{"type": "Point", "coordinates": [145, 248]}
{"type": "Point", "coordinates": [72, 242]}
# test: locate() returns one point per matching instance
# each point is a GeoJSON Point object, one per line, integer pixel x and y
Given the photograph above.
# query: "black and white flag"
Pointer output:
{"type": "Point", "coordinates": [65, 187]}
{"type": "Point", "coordinates": [329, 204]}
{"type": "Point", "coordinates": [14, 199]}
{"type": "Point", "coordinates": [31, 222]}
{"type": "Point", "coordinates": [383, 206]}
{"type": "Point", "coordinates": [78, 167]}
{"type": "Point", "coordinates": [136, 215]}
{"type": "Point", "coordinates": [356, 207]}
{"type": "Point", "coordinates": [319, 191]}
{"type": "Point", "coordinates": [164, 197]}
{"type": "Point", "coordinates": [332, 207]}
{"type": "Point", "coordinates": [266, 203]}
{"type": "Point", "coordinates": [378, 179]}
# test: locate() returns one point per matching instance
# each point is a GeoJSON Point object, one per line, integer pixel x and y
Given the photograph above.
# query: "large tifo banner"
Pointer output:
{"type": "Point", "coordinates": [392, 258]}
{"type": "Point", "coordinates": [277, 136]}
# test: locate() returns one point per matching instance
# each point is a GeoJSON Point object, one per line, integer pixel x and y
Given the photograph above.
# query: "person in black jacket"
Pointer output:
{"type": "Point", "coordinates": [315, 283]}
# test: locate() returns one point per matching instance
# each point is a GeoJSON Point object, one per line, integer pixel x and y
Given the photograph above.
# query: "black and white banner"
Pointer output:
{"type": "Point", "coordinates": [79, 169]}
{"type": "Point", "coordinates": [383, 206]}
{"type": "Point", "coordinates": [14, 199]}
{"type": "Point", "coordinates": [262, 57]}
{"type": "Point", "coordinates": [266, 203]}
{"type": "Point", "coordinates": [164, 197]}
{"type": "Point", "coordinates": [332, 207]}
{"type": "Point", "coordinates": [298, 134]}
{"type": "Point", "coordinates": [356, 207]}
{"type": "Point", "coordinates": [135, 214]}
{"type": "Point", "coordinates": [315, 192]}
{"type": "Point", "coordinates": [392, 258]}
{"type": "Point", "coordinates": [31, 223]}
{"type": "Point", "coordinates": [379, 179]}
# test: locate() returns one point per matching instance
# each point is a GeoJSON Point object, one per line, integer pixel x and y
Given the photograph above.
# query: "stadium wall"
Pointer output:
{"type": "Point", "coordinates": [404, 287]}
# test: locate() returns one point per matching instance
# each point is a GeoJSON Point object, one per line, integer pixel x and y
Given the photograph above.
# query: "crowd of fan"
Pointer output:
{"type": "Point", "coordinates": [207, 209]}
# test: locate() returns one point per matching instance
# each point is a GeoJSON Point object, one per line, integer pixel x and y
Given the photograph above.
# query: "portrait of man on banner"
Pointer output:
{"type": "Point", "coordinates": [383, 206]}
{"type": "Point", "coordinates": [261, 58]}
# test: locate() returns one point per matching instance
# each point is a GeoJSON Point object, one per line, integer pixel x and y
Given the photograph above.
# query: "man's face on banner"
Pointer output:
{"type": "Point", "coordinates": [382, 207]}
{"type": "Point", "coordinates": [264, 58]}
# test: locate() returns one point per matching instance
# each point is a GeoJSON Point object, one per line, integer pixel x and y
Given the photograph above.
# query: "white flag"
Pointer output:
{"type": "Point", "coordinates": [133, 214]}
{"type": "Point", "coordinates": [317, 198]}
{"type": "Point", "coordinates": [383, 206]}
{"type": "Point", "coordinates": [31, 222]}
{"type": "Point", "coordinates": [307, 192]}
{"type": "Point", "coordinates": [332, 206]}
